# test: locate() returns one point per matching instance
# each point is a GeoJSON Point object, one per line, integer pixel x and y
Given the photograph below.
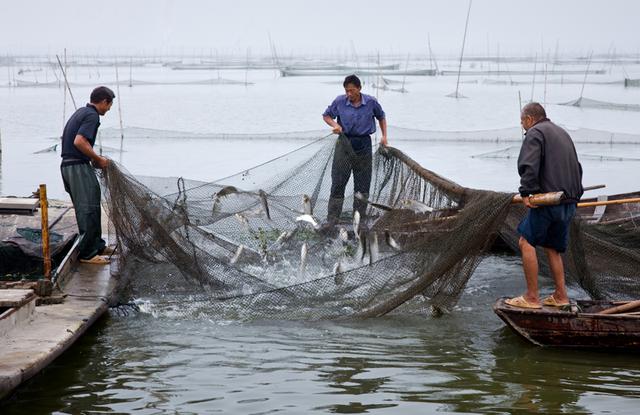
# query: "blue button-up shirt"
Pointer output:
{"type": "Point", "coordinates": [356, 121]}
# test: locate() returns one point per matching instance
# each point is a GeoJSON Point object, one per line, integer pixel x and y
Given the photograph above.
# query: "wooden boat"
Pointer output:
{"type": "Point", "coordinates": [41, 318]}
{"type": "Point", "coordinates": [610, 214]}
{"type": "Point", "coordinates": [577, 325]}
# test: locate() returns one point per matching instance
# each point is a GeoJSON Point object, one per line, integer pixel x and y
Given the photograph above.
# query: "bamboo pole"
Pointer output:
{"type": "Point", "coordinates": [44, 212]}
{"type": "Point", "coordinates": [554, 198]}
{"type": "Point", "coordinates": [541, 199]}
{"type": "Point", "coordinates": [610, 202]}
{"type": "Point", "coordinates": [621, 308]}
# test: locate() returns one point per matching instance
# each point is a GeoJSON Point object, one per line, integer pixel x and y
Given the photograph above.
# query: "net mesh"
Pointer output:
{"type": "Point", "coordinates": [252, 245]}
{"type": "Point", "coordinates": [593, 103]}
{"type": "Point", "coordinates": [603, 256]}
{"type": "Point", "coordinates": [507, 135]}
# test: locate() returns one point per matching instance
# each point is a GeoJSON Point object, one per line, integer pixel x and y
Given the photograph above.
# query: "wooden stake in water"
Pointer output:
{"type": "Point", "coordinates": [464, 38]}
{"type": "Point", "coordinates": [119, 108]}
{"type": "Point", "coordinates": [44, 212]}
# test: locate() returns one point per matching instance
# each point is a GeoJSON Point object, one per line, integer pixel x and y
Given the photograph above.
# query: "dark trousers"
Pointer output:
{"type": "Point", "coordinates": [345, 162]}
{"type": "Point", "coordinates": [81, 183]}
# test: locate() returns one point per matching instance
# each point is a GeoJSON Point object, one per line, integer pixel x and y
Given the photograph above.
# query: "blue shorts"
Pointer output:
{"type": "Point", "coordinates": [548, 226]}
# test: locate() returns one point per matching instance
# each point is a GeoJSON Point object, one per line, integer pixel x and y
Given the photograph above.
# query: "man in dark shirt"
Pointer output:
{"type": "Point", "coordinates": [547, 163]}
{"type": "Point", "coordinates": [353, 116]}
{"type": "Point", "coordinates": [79, 162]}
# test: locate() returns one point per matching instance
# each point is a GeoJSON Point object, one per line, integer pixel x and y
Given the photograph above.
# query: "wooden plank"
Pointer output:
{"type": "Point", "coordinates": [18, 203]}
{"type": "Point", "coordinates": [54, 328]}
{"type": "Point", "coordinates": [14, 297]}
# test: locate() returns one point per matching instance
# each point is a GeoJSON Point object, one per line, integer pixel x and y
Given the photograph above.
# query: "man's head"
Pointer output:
{"type": "Point", "coordinates": [531, 114]}
{"type": "Point", "coordinates": [102, 98]}
{"type": "Point", "coordinates": [352, 87]}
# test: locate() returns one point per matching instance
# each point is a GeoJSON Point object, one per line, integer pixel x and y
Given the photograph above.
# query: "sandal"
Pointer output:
{"type": "Point", "coordinates": [96, 260]}
{"type": "Point", "coordinates": [551, 302]}
{"type": "Point", "coordinates": [521, 302]}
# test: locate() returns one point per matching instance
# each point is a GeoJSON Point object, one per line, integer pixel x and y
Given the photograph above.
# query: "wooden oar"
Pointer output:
{"type": "Point", "coordinates": [621, 308]}
{"type": "Point", "coordinates": [554, 198]}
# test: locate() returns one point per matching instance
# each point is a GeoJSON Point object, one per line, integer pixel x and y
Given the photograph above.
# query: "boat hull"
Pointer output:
{"type": "Point", "coordinates": [580, 326]}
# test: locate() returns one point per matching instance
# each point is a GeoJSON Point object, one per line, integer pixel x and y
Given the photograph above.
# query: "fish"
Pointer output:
{"type": "Point", "coordinates": [338, 270]}
{"type": "Point", "coordinates": [225, 191]}
{"type": "Point", "coordinates": [283, 236]}
{"type": "Point", "coordinates": [242, 219]}
{"type": "Point", "coordinates": [380, 206]}
{"type": "Point", "coordinates": [265, 205]}
{"type": "Point", "coordinates": [304, 250]}
{"type": "Point", "coordinates": [356, 224]}
{"type": "Point", "coordinates": [361, 251]}
{"type": "Point", "coordinates": [374, 251]}
{"type": "Point", "coordinates": [236, 256]}
{"type": "Point", "coordinates": [416, 206]}
{"type": "Point", "coordinates": [390, 241]}
{"type": "Point", "coordinates": [306, 205]}
{"type": "Point", "coordinates": [343, 235]}
{"type": "Point", "coordinates": [308, 219]}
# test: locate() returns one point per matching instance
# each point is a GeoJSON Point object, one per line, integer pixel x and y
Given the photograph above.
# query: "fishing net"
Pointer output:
{"type": "Point", "coordinates": [603, 256]}
{"type": "Point", "coordinates": [592, 103]}
{"type": "Point", "coordinates": [252, 245]}
{"type": "Point", "coordinates": [256, 245]}
{"type": "Point", "coordinates": [512, 152]}
{"type": "Point", "coordinates": [507, 135]}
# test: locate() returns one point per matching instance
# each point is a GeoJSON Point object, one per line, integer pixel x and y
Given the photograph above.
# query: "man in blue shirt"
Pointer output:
{"type": "Point", "coordinates": [79, 162]}
{"type": "Point", "coordinates": [352, 116]}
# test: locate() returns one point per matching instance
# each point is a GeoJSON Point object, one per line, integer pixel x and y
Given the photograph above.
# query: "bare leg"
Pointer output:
{"type": "Point", "coordinates": [530, 266]}
{"type": "Point", "coordinates": [557, 271]}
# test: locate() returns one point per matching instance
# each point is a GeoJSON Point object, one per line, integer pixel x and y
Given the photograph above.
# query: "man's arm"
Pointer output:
{"type": "Point", "coordinates": [383, 128]}
{"type": "Point", "coordinates": [337, 129]}
{"type": "Point", "coordinates": [529, 166]}
{"type": "Point", "coordinates": [82, 144]}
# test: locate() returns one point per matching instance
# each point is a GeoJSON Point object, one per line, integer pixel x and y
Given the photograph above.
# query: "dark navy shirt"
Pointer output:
{"type": "Point", "coordinates": [85, 121]}
{"type": "Point", "coordinates": [356, 121]}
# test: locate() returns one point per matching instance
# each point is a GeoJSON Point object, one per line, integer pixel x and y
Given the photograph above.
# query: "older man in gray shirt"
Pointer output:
{"type": "Point", "coordinates": [547, 163]}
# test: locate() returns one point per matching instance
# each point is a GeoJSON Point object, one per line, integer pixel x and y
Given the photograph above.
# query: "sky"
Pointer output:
{"type": "Point", "coordinates": [513, 27]}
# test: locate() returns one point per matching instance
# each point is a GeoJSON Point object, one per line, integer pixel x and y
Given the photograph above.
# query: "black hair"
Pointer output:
{"type": "Point", "coordinates": [100, 94]}
{"type": "Point", "coordinates": [535, 110]}
{"type": "Point", "coordinates": [353, 80]}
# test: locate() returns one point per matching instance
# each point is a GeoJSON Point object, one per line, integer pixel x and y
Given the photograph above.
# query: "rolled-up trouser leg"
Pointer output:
{"type": "Point", "coordinates": [82, 185]}
{"type": "Point", "coordinates": [362, 168]}
{"type": "Point", "coordinates": [340, 173]}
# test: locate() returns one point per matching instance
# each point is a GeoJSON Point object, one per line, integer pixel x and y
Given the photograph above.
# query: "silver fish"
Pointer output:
{"type": "Point", "coordinates": [225, 191]}
{"type": "Point", "coordinates": [236, 256]}
{"type": "Point", "coordinates": [283, 236]}
{"type": "Point", "coordinates": [338, 270]}
{"type": "Point", "coordinates": [265, 205]}
{"type": "Point", "coordinates": [343, 235]}
{"type": "Point", "coordinates": [416, 206]}
{"type": "Point", "coordinates": [390, 241]}
{"type": "Point", "coordinates": [356, 224]}
{"type": "Point", "coordinates": [242, 219]}
{"type": "Point", "coordinates": [303, 256]}
{"type": "Point", "coordinates": [306, 205]}
{"type": "Point", "coordinates": [361, 251]}
{"type": "Point", "coordinates": [308, 219]}
{"type": "Point", "coordinates": [374, 251]}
